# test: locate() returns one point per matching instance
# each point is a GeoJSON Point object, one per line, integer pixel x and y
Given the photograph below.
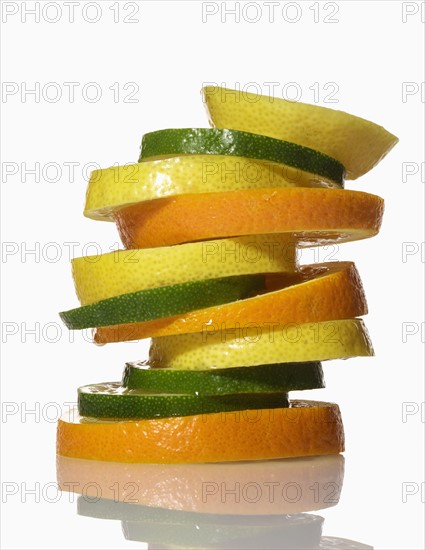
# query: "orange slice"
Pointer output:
{"type": "Point", "coordinates": [319, 292]}
{"type": "Point", "coordinates": [288, 486]}
{"type": "Point", "coordinates": [307, 428]}
{"type": "Point", "coordinates": [311, 216]}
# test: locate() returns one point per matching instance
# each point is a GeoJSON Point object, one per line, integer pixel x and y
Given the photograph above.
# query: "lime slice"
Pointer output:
{"type": "Point", "coordinates": [216, 141]}
{"type": "Point", "coordinates": [265, 378]}
{"type": "Point", "coordinates": [111, 400]}
{"type": "Point", "coordinates": [155, 303]}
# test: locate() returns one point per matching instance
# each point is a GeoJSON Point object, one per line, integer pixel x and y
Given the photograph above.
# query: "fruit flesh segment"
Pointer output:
{"type": "Point", "coordinates": [307, 428]}
{"type": "Point", "coordinates": [357, 143]}
{"type": "Point", "coordinates": [319, 292]}
{"type": "Point", "coordinates": [123, 271]}
{"type": "Point", "coordinates": [310, 216]}
{"type": "Point", "coordinates": [256, 345]}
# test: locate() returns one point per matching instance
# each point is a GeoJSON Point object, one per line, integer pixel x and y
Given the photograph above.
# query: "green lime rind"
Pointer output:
{"type": "Point", "coordinates": [261, 379]}
{"type": "Point", "coordinates": [111, 400]}
{"type": "Point", "coordinates": [164, 301]}
{"type": "Point", "coordinates": [217, 141]}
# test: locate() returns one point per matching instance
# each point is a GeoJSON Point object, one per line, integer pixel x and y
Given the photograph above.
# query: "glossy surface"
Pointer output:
{"type": "Point", "coordinates": [197, 488]}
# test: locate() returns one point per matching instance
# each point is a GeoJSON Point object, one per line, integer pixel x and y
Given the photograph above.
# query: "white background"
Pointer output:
{"type": "Point", "coordinates": [169, 53]}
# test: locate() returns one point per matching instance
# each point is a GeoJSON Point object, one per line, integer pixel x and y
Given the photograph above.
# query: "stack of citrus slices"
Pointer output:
{"type": "Point", "coordinates": [211, 220]}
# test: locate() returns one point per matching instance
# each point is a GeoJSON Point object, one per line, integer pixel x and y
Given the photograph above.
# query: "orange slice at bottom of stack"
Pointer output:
{"type": "Point", "coordinates": [306, 428]}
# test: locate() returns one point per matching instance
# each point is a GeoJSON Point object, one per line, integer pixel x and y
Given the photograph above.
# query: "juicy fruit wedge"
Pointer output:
{"type": "Point", "coordinates": [307, 428]}
{"type": "Point", "coordinates": [111, 400]}
{"type": "Point", "coordinates": [123, 271]}
{"type": "Point", "coordinates": [318, 292]}
{"type": "Point", "coordinates": [310, 216]}
{"type": "Point", "coordinates": [258, 345]}
{"type": "Point", "coordinates": [182, 488]}
{"type": "Point", "coordinates": [264, 379]}
{"type": "Point", "coordinates": [163, 301]}
{"type": "Point", "coordinates": [355, 142]}
{"type": "Point", "coordinates": [215, 141]}
{"type": "Point", "coordinates": [111, 189]}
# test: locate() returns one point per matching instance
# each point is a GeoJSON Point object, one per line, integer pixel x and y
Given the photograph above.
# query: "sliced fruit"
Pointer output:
{"type": "Point", "coordinates": [318, 292]}
{"type": "Point", "coordinates": [111, 189]}
{"type": "Point", "coordinates": [310, 216]}
{"type": "Point", "coordinates": [111, 400]}
{"type": "Point", "coordinates": [189, 489]}
{"type": "Point", "coordinates": [306, 428]}
{"type": "Point", "coordinates": [217, 141]}
{"type": "Point", "coordinates": [265, 378]}
{"type": "Point", "coordinates": [357, 143]}
{"type": "Point", "coordinates": [123, 271]}
{"type": "Point", "coordinates": [163, 301]}
{"type": "Point", "coordinates": [257, 345]}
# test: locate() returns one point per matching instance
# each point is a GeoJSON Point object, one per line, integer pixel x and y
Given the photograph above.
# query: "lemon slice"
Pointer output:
{"type": "Point", "coordinates": [256, 344]}
{"type": "Point", "coordinates": [357, 143]}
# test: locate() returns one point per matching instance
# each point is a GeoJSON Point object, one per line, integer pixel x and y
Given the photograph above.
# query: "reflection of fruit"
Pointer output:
{"type": "Point", "coordinates": [313, 216]}
{"type": "Point", "coordinates": [164, 301]}
{"type": "Point", "coordinates": [247, 532]}
{"type": "Point", "coordinates": [320, 292]}
{"type": "Point", "coordinates": [215, 141]}
{"type": "Point", "coordinates": [336, 543]}
{"type": "Point", "coordinates": [273, 487]}
{"type": "Point", "coordinates": [262, 345]}
{"type": "Point", "coordinates": [203, 530]}
{"type": "Point", "coordinates": [357, 143]}
{"type": "Point", "coordinates": [111, 400]}
{"type": "Point", "coordinates": [106, 275]}
{"type": "Point", "coordinates": [308, 428]}
{"type": "Point", "coordinates": [264, 378]}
